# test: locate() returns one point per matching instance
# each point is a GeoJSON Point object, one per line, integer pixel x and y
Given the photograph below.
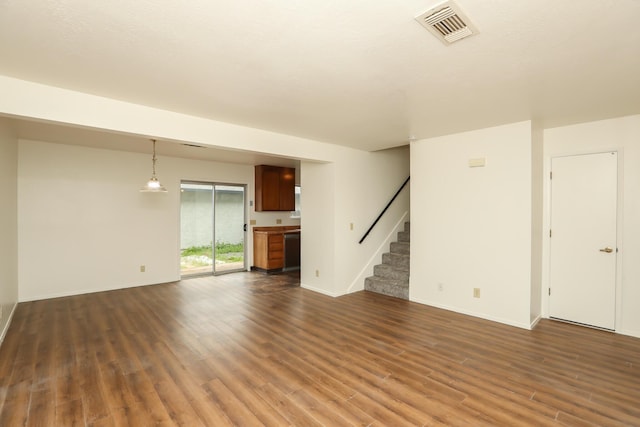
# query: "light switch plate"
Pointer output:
{"type": "Point", "coordinates": [477, 163]}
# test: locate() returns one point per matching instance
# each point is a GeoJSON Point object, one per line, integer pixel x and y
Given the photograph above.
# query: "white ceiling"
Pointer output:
{"type": "Point", "coordinates": [359, 73]}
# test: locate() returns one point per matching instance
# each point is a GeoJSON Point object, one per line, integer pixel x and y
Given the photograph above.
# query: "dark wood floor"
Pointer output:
{"type": "Point", "coordinates": [248, 349]}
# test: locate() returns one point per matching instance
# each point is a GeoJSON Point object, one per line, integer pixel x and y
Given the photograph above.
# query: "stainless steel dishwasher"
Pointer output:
{"type": "Point", "coordinates": [291, 251]}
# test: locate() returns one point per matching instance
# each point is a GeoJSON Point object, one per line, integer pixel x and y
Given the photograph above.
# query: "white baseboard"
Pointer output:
{"type": "Point", "coordinates": [474, 314]}
{"type": "Point", "coordinates": [6, 326]}
{"type": "Point", "coordinates": [89, 291]}
{"type": "Point", "coordinates": [635, 334]}
{"type": "Point", "coordinates": [535, 322]}
{"type": "Point", "coordinates": [320, 291]}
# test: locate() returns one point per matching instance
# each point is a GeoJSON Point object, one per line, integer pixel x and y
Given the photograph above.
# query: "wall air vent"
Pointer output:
{"type": "Point", "coordinates": [447, 22]}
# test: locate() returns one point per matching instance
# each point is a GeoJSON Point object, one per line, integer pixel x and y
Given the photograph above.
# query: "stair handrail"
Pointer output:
{"type": "Point", "coordinates": [385, 209]}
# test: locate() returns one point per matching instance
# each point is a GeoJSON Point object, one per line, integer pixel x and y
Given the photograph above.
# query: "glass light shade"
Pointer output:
{"type": "Point", "coordinates": [153, 186]}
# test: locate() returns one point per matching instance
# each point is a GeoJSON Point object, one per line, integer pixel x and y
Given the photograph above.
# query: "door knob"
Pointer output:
{"type": "Point", "coordinates": [607, 250]}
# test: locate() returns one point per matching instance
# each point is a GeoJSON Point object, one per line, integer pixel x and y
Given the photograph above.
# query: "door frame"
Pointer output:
{"type": "Point", "coordinates": [546, 226]}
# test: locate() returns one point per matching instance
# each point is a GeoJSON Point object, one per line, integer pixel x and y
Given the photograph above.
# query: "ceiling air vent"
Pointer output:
{"type": "Point", "coordinates": [447, 22]}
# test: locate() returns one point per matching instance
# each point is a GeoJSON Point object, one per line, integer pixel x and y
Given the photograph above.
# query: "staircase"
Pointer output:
{"type": "Point", "coordinates": [392, 276]}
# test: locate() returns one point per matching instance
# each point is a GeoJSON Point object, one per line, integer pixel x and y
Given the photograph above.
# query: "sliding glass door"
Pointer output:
{"type": "Point", "coordinates": [229, 224]}
{"type": "Point", "coordinates": [196, 228]}
{"type": "Point", "coordinates": [212, 220]}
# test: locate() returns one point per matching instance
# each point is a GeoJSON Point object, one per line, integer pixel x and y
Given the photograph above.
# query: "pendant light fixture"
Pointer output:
{"type": "Point", "coordinates": [153, 185]}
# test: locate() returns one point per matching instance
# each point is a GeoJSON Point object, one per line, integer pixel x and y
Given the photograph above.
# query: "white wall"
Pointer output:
{"type": "Point", "coordinates": [472, 227]}
{"type": "Point", "coordinates": [365, 182]}
{"type": "Point", "coordinates": [84, 226]}
{"type": "Point", "coordinates": [8, 224]}
{"type": "Point", "coordinates": [317, 250]}
{"type": "Point", "coordinates": [352, 190]}
{"type": "Point", "coordinates": [621, 134]}
{"type": "Point", "coordinates": [40, 102]}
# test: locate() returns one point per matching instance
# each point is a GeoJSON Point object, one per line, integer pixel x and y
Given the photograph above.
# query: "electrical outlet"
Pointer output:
{"type": "Point", "coordinates": [440, 287]}
{"type": "Point", "coordinates": [278, 221]}
{"type": "Point", "coordinates": [476, 292]}
{"type": "Point", "coordinates": [351, 226]}
{"type": "Point", "coordinates": [143, 269]}
{"type": "Point", "coordinates": [252, 222]}
{"type": "Point", "coordinates": [317, 273]}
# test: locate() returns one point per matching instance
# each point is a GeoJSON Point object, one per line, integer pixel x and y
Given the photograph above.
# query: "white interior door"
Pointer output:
{"type": "Point", "coordinates": [583, 239]}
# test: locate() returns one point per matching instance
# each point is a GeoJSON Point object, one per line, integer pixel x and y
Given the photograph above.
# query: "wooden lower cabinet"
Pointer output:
{"type": "Point", "coordinates": [268, 251]}
{"type": "Point", "coordinates": [268, 247]}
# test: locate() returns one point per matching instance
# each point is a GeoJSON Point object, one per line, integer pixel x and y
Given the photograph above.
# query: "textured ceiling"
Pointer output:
{"type": "Point", "coordinates": [359, 73]}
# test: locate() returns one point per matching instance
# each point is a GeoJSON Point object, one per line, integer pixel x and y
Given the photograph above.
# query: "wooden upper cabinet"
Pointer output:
{"type": "Point", "coordinates": [267, 188]}
{"type": "Point", "coordinates": [288, 189]}
{"type": "Point", "coordinates": [275, 188]}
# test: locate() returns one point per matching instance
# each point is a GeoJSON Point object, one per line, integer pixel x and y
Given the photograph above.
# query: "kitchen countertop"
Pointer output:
{"type": "Point", "coordinates": [286, 229]}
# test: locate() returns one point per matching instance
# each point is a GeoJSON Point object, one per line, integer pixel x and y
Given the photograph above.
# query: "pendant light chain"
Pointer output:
{"type": "Point", "coordinates": [153, 159]}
